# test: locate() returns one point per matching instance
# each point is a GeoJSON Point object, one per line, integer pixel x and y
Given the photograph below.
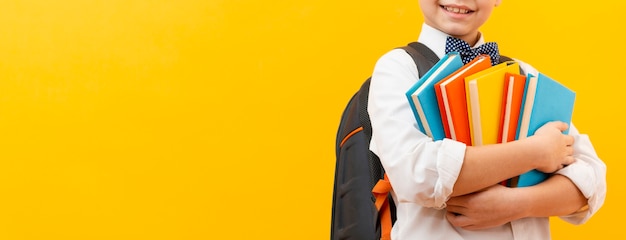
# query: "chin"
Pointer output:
{"type": "Point", "coordinates": [458, 31]}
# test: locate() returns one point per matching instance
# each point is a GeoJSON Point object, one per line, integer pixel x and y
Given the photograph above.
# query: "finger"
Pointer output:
{"type": "Point", "coordinates": [569, 151]}
{"type": "Point", "coordinates": [457, 201]}
{"type": "Point", "coordinates": [456, 210]}
{"type": "Point", "coordinates": [570, 159]}
{"type": "Point", "coordinates": [562, 126]}
{"type": "Point", "coordinates": [472, 227]}
{"type": "Point", "coordinates": [457, 220]}
{"type": "Point", "coordinates": [569, 140]}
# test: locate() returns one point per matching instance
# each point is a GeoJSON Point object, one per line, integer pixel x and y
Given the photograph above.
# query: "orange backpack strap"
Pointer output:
{"type": "Point", "coordinates": [381, 191]}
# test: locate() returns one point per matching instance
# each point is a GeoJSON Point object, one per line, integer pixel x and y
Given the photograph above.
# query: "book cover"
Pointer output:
{"type": "Point", "coordinates": [484, 102]}
{"type": "Point", "coordinates": [450, 93]}
{"type": "Point", "coordinates": [513, 93]}
{"type": "Point", "coordinates": [512, 97]}
{"type": "Point", "coordinates": [545, 100]}
{"type": "Point", "coordinates": [422, 96]}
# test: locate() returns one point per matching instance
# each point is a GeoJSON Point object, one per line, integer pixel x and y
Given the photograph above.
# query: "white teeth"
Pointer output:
{"type": "Point", "coordinates": [456, 10]}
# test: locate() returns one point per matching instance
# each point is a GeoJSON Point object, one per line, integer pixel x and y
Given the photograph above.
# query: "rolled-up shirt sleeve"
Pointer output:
{"type": "Point", "coordinates": [588, 173]}
{"type": "Point", "coordinates": [420, 170]}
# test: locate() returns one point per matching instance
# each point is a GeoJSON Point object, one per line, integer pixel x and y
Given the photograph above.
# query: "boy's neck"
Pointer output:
{"type": "Point", "coordinates": [470, 38]}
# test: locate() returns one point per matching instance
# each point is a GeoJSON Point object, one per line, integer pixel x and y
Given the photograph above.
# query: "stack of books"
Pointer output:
{"type": "Point", "coordinates": [480, 104]}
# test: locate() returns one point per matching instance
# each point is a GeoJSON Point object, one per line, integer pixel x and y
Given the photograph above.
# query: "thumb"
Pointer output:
{"type": "Point", "coordinates": [562, 126]}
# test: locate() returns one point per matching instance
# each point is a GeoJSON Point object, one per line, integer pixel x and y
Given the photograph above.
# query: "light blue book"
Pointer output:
{"type": "Point", "coordinates": [423, 99]}
{"type": "Point", "coordinates": [545, 100]}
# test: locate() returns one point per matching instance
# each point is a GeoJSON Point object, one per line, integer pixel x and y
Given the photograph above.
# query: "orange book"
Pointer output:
{"type": "Point", "coordinates": [452, 102]}
{"type": "Point", "coordinates": [513, 94]}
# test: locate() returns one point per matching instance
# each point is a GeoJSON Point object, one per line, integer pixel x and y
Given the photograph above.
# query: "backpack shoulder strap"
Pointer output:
{"type": "Point", "coordinates": [423, 56]}
{"type": "Point", "coordinates": [424, 59]}
{"type": "Point", "coordinates": [506, 59]}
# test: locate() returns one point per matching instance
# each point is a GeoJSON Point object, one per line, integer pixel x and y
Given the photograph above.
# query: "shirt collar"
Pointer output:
{"type": "Point", "coordinates": [436, 39]}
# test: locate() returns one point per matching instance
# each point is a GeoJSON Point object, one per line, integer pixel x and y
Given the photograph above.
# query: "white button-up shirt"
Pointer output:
{"type": "Point", "coordinates": [423, 172]}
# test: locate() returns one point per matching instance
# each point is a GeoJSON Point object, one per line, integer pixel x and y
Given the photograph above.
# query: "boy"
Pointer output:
{"type": "Point", "coordinates": [446, 190]}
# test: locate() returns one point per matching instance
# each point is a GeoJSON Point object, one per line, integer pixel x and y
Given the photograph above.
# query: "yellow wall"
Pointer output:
{"type": "Point", "coordinates": [195, 119]}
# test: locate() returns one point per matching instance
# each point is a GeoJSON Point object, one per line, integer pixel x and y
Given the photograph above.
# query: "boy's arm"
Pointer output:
{"type": "Point", "coordinates": [420, 170]}
{"type": "Point", "coordinates": [548, 150]}
{"type": "Point", "coordinates": [557, 196]}
{"type": "Point", "coordinates": [574, 193]}
{"type": "Point", "coordinates": [497, 205]}
{"type": "Point", "coordinates": [588, 173]}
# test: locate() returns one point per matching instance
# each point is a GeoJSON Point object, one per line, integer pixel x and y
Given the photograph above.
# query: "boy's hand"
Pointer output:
{"type": "Point", "coordinates": [494, 206]}
{"type": "Point", "coordinates": [554, 148]}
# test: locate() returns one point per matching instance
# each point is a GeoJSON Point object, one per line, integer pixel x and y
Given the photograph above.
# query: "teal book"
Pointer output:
{"type": "Point", "coordinates": [545, 100]}
{"type": "Point", "coordinates": [423, 99]}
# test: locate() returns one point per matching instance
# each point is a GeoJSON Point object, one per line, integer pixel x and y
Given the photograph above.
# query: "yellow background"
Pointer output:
{"type": "Point", "coordinates": [196, 119]}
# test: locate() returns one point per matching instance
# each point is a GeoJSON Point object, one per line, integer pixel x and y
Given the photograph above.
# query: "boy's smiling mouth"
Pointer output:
{"type": "Point", "coordinates": [456, 9]}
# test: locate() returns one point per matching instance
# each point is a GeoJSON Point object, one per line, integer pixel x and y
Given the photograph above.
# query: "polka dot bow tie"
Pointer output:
{"type": "Point", "coordinates": [468, 53]}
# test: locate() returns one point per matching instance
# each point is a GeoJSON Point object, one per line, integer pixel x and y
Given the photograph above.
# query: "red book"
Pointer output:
{"type": "Point", "coordinates": [452, 101]}
{"type": "Point", "coordinates": [512, 97]}
{"type": "Point", "coordinates": [513, 94]}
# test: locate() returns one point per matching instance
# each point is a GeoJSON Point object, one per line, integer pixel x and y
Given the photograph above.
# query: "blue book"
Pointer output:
{"type": "Point", "coordinates": [423, 99]}
{"type": "Point", "coordinates": [544, 100]}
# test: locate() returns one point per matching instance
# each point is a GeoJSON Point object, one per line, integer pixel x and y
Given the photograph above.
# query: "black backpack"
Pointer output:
{"type": "Point", "coordinates": [358, 170]}
{"type": "Point", "coordinates": [362, 206]}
